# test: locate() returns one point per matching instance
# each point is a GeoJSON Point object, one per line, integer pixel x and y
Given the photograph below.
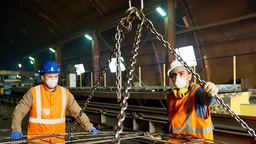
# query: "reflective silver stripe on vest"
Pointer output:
{"type": "Point", "coordinates": [187, 122]}
{"type": "Point", "coordinates": [38, 109]}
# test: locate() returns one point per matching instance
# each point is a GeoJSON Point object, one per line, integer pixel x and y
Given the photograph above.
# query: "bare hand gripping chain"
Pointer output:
{"type": "Point", "coordinates": [124, 27]}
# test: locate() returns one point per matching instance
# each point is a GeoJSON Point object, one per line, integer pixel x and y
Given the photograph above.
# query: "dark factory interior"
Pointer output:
{"type": "Point", "coordinates": [116, 65]}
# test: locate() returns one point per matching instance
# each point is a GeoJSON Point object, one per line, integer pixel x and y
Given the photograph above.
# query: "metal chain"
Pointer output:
{"type": "Point", "coordinates": [123, 28]}
{"type": "Point", "coordinates": [129, 77]}
{"type": "Point", "coordinates": [97, 83]}
{"type": "Point", "coordinates": [149, 25]}
{"type": "Point", "coordinates": [118, 61]}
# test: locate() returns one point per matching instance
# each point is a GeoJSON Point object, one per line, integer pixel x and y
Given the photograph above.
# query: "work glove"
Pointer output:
{"type": "Point", "coordinates": [94, 131]}
{"type": "Point", "coordinates": [16, 135]}
{"type": "Point", "coordinates": [211, 89]}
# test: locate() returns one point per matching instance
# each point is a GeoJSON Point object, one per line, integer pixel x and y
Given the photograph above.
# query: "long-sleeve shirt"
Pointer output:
{"type": "Point", "coordinates": [202, 101]}
{"type": "Point", "coordinates": [25, 105]}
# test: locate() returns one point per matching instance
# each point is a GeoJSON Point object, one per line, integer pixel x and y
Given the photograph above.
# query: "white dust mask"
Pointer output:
{"type": "Point", "coordinates": [180, 82]}
{"type": "Point", "coordinates": [52, 82]}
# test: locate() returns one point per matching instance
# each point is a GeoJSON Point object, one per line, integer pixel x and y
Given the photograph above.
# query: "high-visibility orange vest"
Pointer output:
{"type": "Point", "coordinates": [183, 118]}
{"type": "Point", "coordinates": [48, 112]}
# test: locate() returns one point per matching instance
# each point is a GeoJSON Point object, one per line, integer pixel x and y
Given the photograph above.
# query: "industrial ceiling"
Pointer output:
{"type": "Point", "coordinates": [218, 30]}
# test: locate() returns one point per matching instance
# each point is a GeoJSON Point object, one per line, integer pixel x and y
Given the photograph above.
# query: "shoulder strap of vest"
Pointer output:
{"type": "Point", "coordinates": [168, 97]}
{"type": "Point", "coordinates": [193, 88]}
{"type": "Point", "coordinates": [63, 87]}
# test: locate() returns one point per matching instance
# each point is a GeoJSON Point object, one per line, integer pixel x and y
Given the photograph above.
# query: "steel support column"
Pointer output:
{"type": "Point", "coordinates": [170, 36]}
{"type": "Point", "coordinates": [58, 55]}
{"type": "Point", "coordinates": [135, 125]}
{"type": "Point", "coordinates": [103, 117]}
{"type": "Point", "coordinates": [95, 56]}
{"type": "Point", "coordinates": [151, 126]}
{"type": "Point", "coordinates": [36, 63]}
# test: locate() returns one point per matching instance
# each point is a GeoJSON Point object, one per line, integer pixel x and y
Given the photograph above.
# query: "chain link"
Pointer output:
{"type": "Point", "coordinates": [148, 24]}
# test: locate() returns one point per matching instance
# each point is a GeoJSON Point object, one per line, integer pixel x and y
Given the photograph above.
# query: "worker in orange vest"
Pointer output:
{"type": "Point", "coordinates": [47, 104]}
{"type": "Point", "coordinates": [188, 105]}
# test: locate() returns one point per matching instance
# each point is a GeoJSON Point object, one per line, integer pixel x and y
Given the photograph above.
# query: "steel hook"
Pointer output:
{"type": "Point", "coordinates": [141, 4]}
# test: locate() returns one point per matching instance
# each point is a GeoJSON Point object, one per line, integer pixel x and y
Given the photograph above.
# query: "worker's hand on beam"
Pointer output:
{"type": "Point", "coordinates": [16, 135]}
{"type": "Point", "coordinates": [94, 131]}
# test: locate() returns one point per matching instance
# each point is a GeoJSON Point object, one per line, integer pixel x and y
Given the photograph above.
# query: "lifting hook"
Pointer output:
{"type": "Point", "coordinates": [141, 4]}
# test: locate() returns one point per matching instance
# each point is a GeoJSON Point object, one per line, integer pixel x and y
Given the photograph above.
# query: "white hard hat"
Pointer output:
{"type": "Point", "coordinates": [173, 66]}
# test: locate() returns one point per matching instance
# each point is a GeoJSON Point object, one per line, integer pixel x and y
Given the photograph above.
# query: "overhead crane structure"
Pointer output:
{"type": "Point", "coordinates": [124, 27]}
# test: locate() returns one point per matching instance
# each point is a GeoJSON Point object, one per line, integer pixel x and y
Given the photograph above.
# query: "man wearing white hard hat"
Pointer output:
{"type": "Point", "coordinates": [188, 104]}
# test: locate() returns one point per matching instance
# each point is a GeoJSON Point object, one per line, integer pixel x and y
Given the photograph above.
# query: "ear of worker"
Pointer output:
{"type": "Point", "coordinates": [211, 89]}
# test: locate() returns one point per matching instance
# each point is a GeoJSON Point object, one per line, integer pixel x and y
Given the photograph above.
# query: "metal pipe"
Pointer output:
{"type": "Point", "coordinates": [164, 74]}
{"type": "Point", "coordinates": [225, 56]}
{"type": "Point", "coordinates": [139, 76]}
{"type": "Point", "coordinates": [105, 79]}
{"type": "Point", "coordinates": [217, 23]}
{"type": "Point", "coordinates": [91, 79]}
{"type": "Point", "coordinates": [234, 66]}
{"type": "Point", "coordinates": [194, 70]}
{"type": "Point", "coordinates": [80, 80]}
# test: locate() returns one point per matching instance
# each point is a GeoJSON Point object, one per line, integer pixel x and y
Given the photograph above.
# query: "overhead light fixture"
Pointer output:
{"type": "Point", "coordinates": [19, 65]}
{"type": "Point", "coordinates": [31, 62]}
{"type": "Point", "coordinates": [31, 58]}
{"type": "Point", "coordinates": [88, 37]}
{"type": "Point", "coordinates": [51, 49]}
{"type": "Point", "coordinates": [161, 11]}
{"type": "Point", "coordinates": [185, 20]}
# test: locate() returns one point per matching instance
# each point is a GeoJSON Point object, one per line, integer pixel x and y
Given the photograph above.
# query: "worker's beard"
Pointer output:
{"type": "Point", "coordinates": [180, 82]}
{"type": "Point", "coordinates": [51, 83]}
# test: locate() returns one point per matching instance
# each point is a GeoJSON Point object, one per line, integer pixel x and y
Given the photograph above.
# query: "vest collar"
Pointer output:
{"type": "Point", "coordinates": [55, 89]}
